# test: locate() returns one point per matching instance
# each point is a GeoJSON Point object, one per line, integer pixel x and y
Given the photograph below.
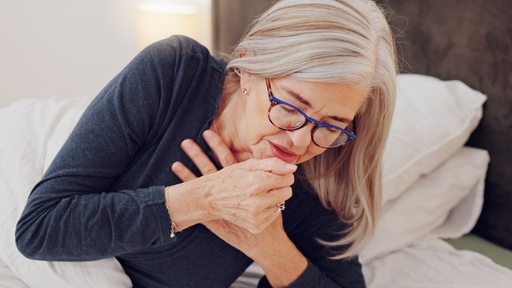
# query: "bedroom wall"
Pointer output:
{"type": "Point", "coordinates": [62, 48]}
{"type": "Point", "coordinates": [231, 18]}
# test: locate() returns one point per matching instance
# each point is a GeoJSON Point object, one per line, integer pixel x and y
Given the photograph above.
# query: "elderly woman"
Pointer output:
{"type": "Point", "coordinates": [187, 168]}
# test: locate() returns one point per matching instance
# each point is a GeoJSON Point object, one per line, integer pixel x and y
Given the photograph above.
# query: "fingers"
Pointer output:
{"type": "Point", "coordinates": [221, 150]}
{"type": "Point", "coordinates": [267, 217]}
{"type": "Point", "coordinates": [262, 211]}
{"type": "Point", "coordinates": [226, 158]}
{"type": "Point", "coordinates": [271, 165]}
{"type": "Point", "coordinates": [200, 159]}
{"type": "Point", "coordinates": [273, 177]}
{"type": "Point", "coordinates": [278, 196]}
{"type": "Point", "coordinates": [182, 172]}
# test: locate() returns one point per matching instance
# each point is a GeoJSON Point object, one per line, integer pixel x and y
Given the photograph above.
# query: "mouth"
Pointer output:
{"type": "Point", "coordinates": [283, 153]}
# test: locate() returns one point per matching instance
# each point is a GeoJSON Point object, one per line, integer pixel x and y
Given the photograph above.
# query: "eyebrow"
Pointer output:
{"type": "Point", "coordinates": [301, 99]}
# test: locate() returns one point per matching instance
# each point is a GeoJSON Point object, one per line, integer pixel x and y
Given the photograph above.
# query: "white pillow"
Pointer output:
{"type": "Point", "coordinates": [433, 204]}
{"type": "Point", "coordinates": [31, 132]}
{"type": "Point", "coordinates": [432, 120]}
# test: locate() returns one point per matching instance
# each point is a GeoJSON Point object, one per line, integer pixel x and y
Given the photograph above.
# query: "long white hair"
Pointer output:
{"type": "Point", "coordinates": [345, 41]}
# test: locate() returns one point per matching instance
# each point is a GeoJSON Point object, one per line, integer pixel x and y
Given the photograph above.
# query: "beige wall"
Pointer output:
{"type": "Point", "coordinates": [62, 48]}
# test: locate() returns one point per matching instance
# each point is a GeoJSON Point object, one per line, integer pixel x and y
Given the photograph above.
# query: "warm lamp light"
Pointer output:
{"type": "Point", "coordinates": [157, 20]}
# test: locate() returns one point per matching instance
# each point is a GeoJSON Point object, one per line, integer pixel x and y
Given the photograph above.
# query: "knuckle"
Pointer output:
{"type": "Point", "coordinates": [251, 161]}
{"type": "Point", "coordinates": [209, 170]}
{"type": "Point", "coordinates": [253, 189]}
{"type": "Point", "coordinates": [288, 193]}
{"type": "Point", "coordinates": [227, 160]}
{"type": "Point", "coordinates": [253, 212]}
{"type": "Point", "coordinates": [275, 161]}
{"type": "Point", "coordinates": [291, 178]}
{"type": "Point", "coordinates": [253, 230]}
{"type": "Point", "coordinates": [256, 228]}
{"type": "Point", "coordinates": [254, 185]}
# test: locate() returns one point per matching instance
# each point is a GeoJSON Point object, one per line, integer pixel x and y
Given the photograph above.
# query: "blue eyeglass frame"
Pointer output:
{"type": "Point", "coordinates": [274, 101]}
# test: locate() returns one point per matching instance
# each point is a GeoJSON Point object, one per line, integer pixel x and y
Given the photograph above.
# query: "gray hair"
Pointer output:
{"type": "Point", "coordinates": [345, 41]}
{"type": "Point", "coordinates": [313, 40]}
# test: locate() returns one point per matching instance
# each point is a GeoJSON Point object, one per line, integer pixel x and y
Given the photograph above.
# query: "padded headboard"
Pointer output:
{"type": "Point", "coordinates": [468, 40]}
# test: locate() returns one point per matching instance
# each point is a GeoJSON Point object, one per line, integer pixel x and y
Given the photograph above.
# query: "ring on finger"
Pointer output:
{"type": "Point", "coordinates": [280, 207]}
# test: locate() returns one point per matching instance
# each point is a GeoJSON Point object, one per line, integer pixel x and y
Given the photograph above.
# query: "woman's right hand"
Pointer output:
{"type": "Point", "coordinates": [272, 248]}
{"type": "Point", "coordinates": [245, 193]}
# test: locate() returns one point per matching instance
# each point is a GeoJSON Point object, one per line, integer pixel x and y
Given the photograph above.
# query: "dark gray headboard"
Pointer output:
{"type": "Point", "coordinates": [468, 40]}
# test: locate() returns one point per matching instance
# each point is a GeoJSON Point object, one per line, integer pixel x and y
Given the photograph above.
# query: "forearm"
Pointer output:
{"type": "Point", "coordinates": [282, 263]}
{"type": "Point", "coordinates": [91, 226]}
{"type": "Point", "coordinates": [285, 266]}
{"type": "Point", "coordinates": [311, 277]}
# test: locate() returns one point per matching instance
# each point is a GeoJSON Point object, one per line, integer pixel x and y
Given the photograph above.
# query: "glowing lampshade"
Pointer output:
{"type": "Point", "coordinates": [158, 20]}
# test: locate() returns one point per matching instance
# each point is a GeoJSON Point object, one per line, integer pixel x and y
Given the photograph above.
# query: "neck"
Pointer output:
{"type": "Point", "coordinates": [226, 119]}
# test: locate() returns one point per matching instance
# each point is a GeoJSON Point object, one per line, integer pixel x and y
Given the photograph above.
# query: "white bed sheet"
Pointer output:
{"type": "Point", "coordinates": [31, 133]}
{"type": "Point", "coordinates": [431, 262]}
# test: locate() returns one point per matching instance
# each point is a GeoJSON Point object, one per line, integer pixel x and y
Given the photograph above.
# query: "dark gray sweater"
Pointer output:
{"type": "Point", "coordinates": [103, 195]}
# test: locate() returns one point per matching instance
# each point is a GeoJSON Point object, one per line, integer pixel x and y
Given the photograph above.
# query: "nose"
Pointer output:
{"type": "Point", "coordinates": [301, 137]}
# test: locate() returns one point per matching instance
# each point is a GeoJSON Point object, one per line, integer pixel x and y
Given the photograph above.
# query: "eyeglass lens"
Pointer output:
{"type": "Point", "coordinates": [287, 118]}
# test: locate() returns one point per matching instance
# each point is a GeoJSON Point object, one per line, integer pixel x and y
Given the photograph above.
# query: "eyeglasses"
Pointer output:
{"type": "Point", "coordinates": [285, 116]}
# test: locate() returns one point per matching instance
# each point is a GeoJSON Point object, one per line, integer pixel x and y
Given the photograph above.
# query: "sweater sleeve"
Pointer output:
{"type": "Point", "coordinates": [349, 275]}
{"type": "Point", "coordinates": [73, 214]}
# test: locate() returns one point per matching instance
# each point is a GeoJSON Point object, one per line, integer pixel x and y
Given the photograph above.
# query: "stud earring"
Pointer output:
{"type": "Point", "coordinates": [244, 91]}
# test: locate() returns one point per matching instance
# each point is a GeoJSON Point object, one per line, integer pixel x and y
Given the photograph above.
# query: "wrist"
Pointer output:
{"type": "Point", "coordinates": [184, 206]}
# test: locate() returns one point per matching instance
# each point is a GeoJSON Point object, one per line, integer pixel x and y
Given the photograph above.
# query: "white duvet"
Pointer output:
{"type": "Point", "coordinates": [441, 195]}
{"type": "Point", "coordinates": [408, 250]}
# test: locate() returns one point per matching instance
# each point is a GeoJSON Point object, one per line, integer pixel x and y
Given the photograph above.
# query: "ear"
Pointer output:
{"type": "Point", "coordinates": [246, 80]}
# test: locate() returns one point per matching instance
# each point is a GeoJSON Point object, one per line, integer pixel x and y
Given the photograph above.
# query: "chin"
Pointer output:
{"type": "Point", "coordinates": [305, 158]}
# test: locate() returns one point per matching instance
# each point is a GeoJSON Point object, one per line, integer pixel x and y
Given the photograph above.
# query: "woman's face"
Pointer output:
{"type": "Point", "coordinates": [257, 137]}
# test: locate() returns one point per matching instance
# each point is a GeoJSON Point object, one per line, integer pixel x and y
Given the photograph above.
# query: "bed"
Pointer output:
{"type": "Point", "coordinates": [447, 172]}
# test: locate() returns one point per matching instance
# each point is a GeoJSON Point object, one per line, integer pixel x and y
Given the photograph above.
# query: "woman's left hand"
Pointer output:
{"type": "Point", "coordinates": [271, 249]}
